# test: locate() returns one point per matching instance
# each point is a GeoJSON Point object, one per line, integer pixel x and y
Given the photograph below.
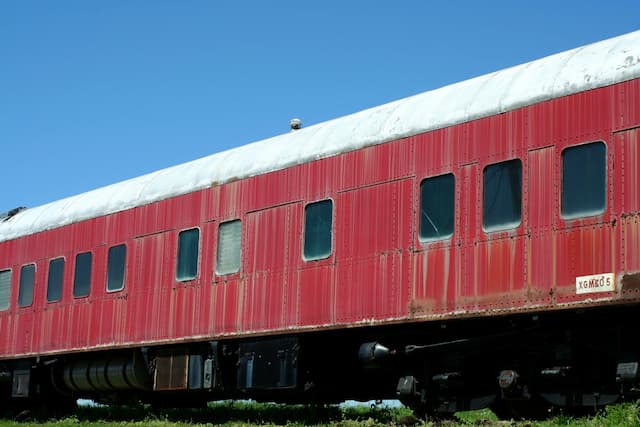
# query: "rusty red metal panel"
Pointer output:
{"type": "Point", "coordinates": [630, 245]}
{"type": "Point", "coordinates": [541, 195]}
{"type": "Point", "coordinates": [582, 251]}
{"type": "Point", "coordinates": [291, 297]}
{"type": "Point", "coordinates": [501, 273]}
{"type": "Point", "coordinates": [434, 280]}
{"type": "Point", "coordinates": [317, 180]}
{"type": "Point", "coordinates": [316, 293]}
{"type": "Point", "coordinates": [225, 300]}
{"type": "Point", "coordinates": [627, 171]}
{"type": "Point", "coordinates": [627, 105]}
{"type": "Point", "coordinates": [497, 138]}
{"type": "Point", "coordinates": [275, 188]}
{"type": "Point", "coordinates": [150, 287]}
{"type": "Point", "coordinates": [264, 304]}
{"type": "Point", "coordinates": [627, 205]}
{"type": "Point", "coordinates": [367, 221]}
{"type": "Point", "coordinates": [470, 208]}
{"type": "Point", "coordinates": [374, 224]}
{"type": "Point", "coordinates": [8, 340]}
{"type": "Point", "coordinates": [272, 251]}
{"type": "Point", "coordinates": [266, 242]}
{"type": "Point", "coordinates": [79, 321]}
{"type": "Point", "coordinates": [542, 200]}
{"type": "Point", "coordinates": [183, 313]}
{"type": "Point", "coordinates": [227, 201]}
{"type": "Point", "coordinates": [376, 164]}
{"type": "Point", "coordinates": [439, 151]}
{"type": "Point", "coordinates": [364, 288]}
{"type": "Point", "coordinates": [23, 321]}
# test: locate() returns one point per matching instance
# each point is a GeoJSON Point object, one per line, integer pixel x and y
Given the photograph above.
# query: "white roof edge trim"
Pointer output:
{"type": "Point", "coordinates": [596, 65]}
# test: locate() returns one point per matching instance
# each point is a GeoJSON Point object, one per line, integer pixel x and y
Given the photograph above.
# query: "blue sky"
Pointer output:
{"type": "Point", "coordinates": [95, 92]}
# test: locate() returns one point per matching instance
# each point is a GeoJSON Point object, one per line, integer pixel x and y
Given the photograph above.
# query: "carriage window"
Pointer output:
{"type": "Point", "coordinates": [502, 196]}
{"type": "Point", "coordinates": [5, 287]}
{"type": "Point", "coordinates": [54, 282]}
{"type": "Point", "coordinates": [82, 275]}
{"type": "Point", "coordinates": [584, 180]}
{"type": "Point", "coordinates": [27, 280]}
{"type": "Point", "coordinates": [437, 207]}
{"type": "Point", "coordinates": [229, 247]}
{"type": "Point", "coordinates": [188, 246]}
{"type": "Point", "coordinates": [115, 268]}
{"type": "Point", "coordinates": [318, 224]}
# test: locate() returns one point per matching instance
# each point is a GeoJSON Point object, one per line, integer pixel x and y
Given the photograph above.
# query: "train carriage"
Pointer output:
{"type": "Point", "coordinates": [476, 245]}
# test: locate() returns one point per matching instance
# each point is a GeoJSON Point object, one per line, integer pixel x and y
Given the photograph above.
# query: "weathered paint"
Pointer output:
{"type": "Point", "coordinates": [379, 271]}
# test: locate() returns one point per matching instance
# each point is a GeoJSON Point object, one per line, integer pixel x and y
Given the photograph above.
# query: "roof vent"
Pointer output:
{"type": "Point", "coordinates": [10, 214]}
{"type": "Point", "coordinates": [295, 124]}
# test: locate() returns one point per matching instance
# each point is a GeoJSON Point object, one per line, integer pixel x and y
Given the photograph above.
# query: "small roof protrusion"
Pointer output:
{"type": "Point", "coordinates": [295, 124]}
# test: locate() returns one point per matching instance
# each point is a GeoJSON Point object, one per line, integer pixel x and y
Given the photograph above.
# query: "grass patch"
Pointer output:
{"type": "Point", "coordinates": [235, 414]}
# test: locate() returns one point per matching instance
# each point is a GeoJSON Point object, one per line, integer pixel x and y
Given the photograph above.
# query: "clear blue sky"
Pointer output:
{"type": "Point", "coordinates": [95, 92]}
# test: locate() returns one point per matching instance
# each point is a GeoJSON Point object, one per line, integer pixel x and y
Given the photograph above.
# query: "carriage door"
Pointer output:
{"type": "Point", "coordinates": [540, 264]}
{"type": "Point", "coordinates": [272, 249]}
{"type": "Point", "coordinates": [627, 203]}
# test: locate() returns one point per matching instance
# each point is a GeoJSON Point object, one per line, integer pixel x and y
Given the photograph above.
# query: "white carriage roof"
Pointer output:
{"type": "Point", "coordinates": [592, 66]}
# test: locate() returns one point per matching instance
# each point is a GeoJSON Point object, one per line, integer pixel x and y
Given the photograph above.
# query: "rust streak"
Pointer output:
{"type": "Point", "coordinates": [630, 282]}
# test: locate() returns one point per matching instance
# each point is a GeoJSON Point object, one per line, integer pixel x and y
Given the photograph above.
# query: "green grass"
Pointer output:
{"type": "Point", "coordinates": [257, 414]}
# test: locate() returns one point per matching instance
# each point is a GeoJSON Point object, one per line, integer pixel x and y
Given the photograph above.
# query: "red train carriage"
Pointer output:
{"type": "Point", "coordinates": [476, 245]}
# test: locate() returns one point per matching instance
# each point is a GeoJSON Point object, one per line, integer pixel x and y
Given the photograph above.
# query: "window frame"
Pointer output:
{"type": "Point", "coordinates": [49, 288]}
{"type": "Point", "coordinates": [33, 284]}
{"type": "Point", "coordinates": [304, 231]}
{"type": "Point", "coordinates": [584, 214]}
{"type": "Point", "coordinates": [8, 303]}
{"type": "Point", "coordinates": [501, 227]}
{"type": "Point", "coordinates": [75, 274]}
{"type": "Point", "coordinates": [124, 268]}
{"type": "Point", "coordinates": [198, 253]}
{"type": "Point", "coordinates": [219, 273]}
{"type": "Point", "coordinates": [422, 239]}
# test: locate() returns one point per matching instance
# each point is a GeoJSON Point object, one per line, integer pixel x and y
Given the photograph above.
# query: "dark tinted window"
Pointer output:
{"type": "Point", "coordinates": [318, 219]}
{"type": "Point", "coordinates": [54, 281]}
{"type": "Point", "coordinates": [584, 180]}
{"type": "Point", "coordinates": [5, 288]}
{"type": "Point", "coordinates": [229, 247]}
{"type": "Point", "coordinates": [115, 268]}
{"type": "Point", "coordinates": [188, 246]}
{"type": "Point", "coordinates": [502, 197]}
{"type": "Point", "coordinates": [27, 280]}
{"type": "Point", "coordinates": [437, 197]}
{"type": "Point", "coordinates": [82, 275]}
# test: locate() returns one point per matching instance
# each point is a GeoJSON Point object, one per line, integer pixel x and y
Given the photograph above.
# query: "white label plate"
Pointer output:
{"type": "Point", "coordinates": [605, 282]}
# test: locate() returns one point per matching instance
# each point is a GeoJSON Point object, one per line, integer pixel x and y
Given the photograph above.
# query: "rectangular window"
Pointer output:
{"type": "Point", "coordinates": [82, 275]}
{"type": "Point", "coordinates": [188, 247]}
{"type": "Point", "coordinates": [115, 268]}
{"type": "Point", "coordinates": [437, 204]}
{"type": "Point", "coordinates": [584, 180]}
{"type": "Point", "coordinates": [318, 227]}
{"type": "Point", "coordinates": [5, 289]}
{"type": "Point", "coordinates": [27, 280]}
{"type": "Point", "coordinates": [54, 281]}
{"type": "Point", "coordinates": [502, 196]}
{"type": "Point", "coordinates": [229, 247]}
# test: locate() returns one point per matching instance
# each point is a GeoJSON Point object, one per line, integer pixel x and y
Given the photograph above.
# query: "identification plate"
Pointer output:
{"type": "Point", "coordinates": [605, 282]}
